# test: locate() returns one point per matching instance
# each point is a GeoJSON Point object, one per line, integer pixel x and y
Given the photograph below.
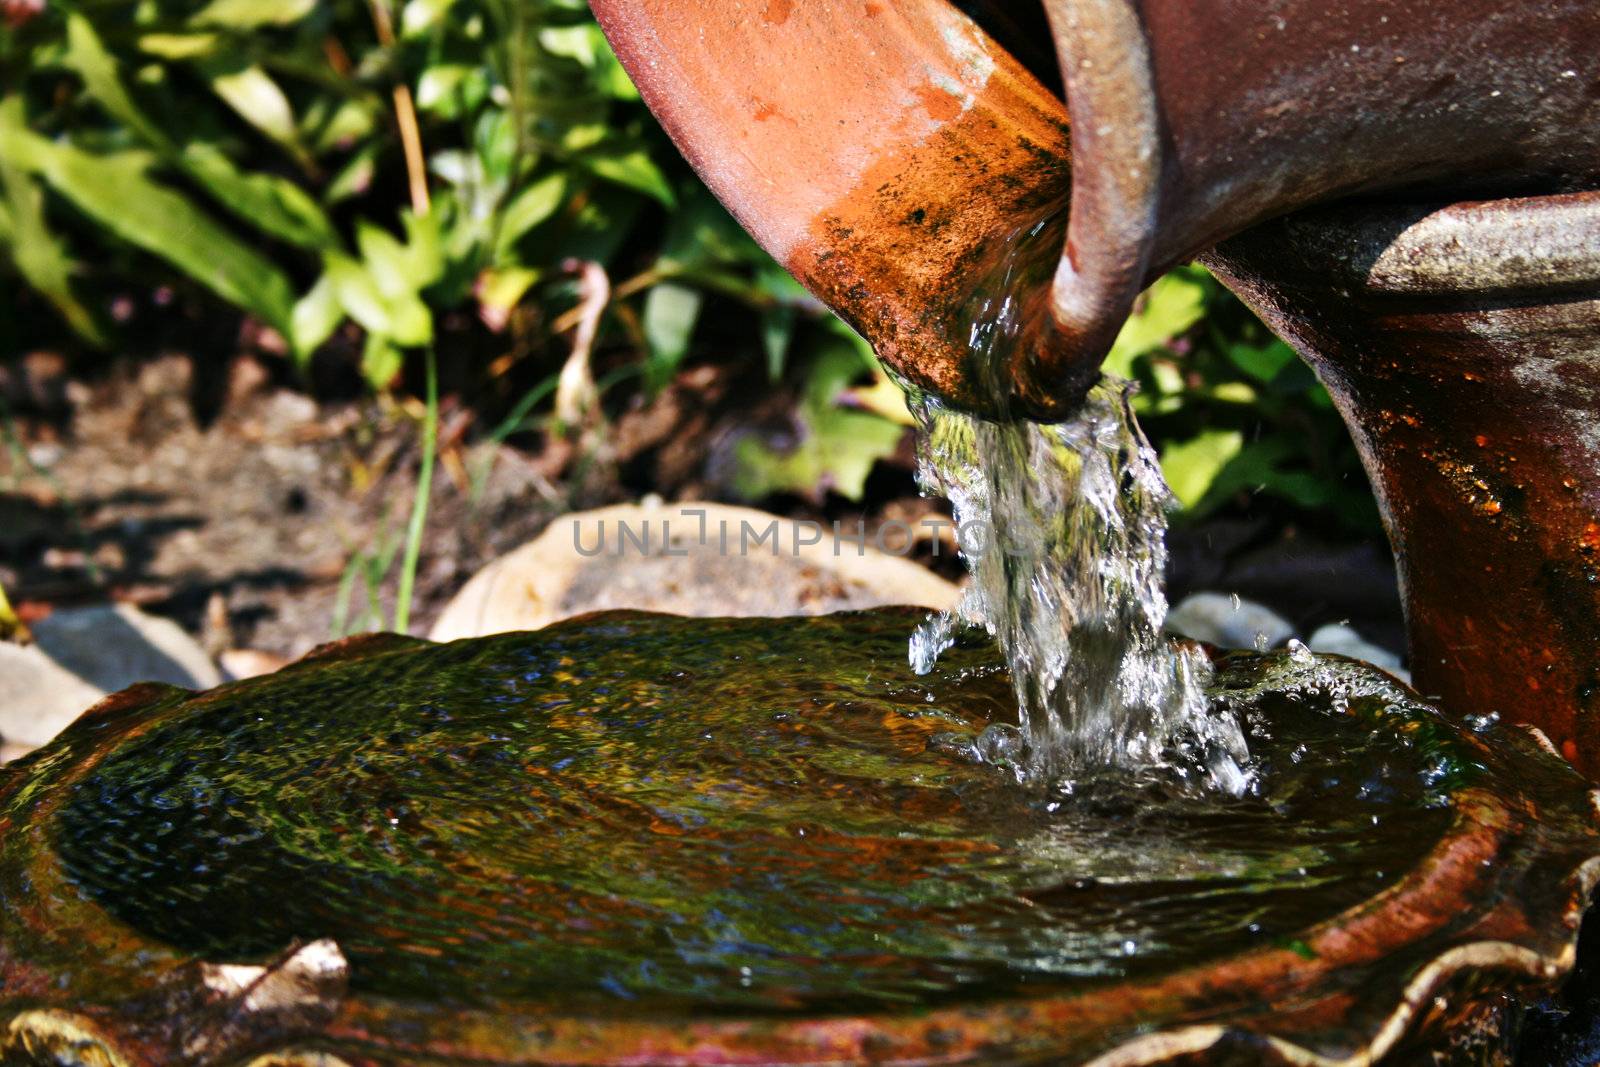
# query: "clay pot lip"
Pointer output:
{"type": "Point", "coordinates": [1533, 246]}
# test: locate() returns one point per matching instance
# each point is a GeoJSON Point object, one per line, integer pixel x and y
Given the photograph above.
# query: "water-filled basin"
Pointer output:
{"type": "Point", "coordinates": [634, 838]}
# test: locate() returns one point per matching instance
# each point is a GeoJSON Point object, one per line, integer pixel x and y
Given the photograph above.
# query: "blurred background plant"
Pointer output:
{"type": "Point", "coordinates": [371, 180]}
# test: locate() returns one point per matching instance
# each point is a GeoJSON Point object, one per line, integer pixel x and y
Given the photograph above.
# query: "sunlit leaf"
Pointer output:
{"type": "Point", "coordinates": [1263, 362]}
{"type": "Point", "coordinates": [421, 17]}
{"type": "Point", "coordinates": [116, 190]}
{"type": "Point", "coordinates": [381, 361]}
{"type": "Point", "coordinates": [39, 255]}
{"type": "Point", "coordinates": [530, 207]}
{"type": "Point", "coordinates": [1168, 309]}
{"type": "Point", "coordinates": [1191, 466]}
{"type": "Point", "coordinates": [257, 99]}
{"type": "Point", "coordinates": [777, 333]}
{"type": "Point", "coordinates": [355, 178]}
{"type": "Point", "coordinates": [837, 448]}
{"type": "Point", "coordinates": [632, 168]}
{"type": "Point", "coordinates": [316, 315]}
{"type": "Point", "coordinates": [400, 315]}
{"type": "Point", "coordinates": [499, 291]}
{"type": "Point", "coordinates": [274, 205]}
{"type": "Point", "coordinates": [670, 314]}
{"type": "Point", "coordinates": [252, 14]}
{"type": "Point", "coordinates": [179, 45]}
{"type": "Point", "coordinates": [87, 55]}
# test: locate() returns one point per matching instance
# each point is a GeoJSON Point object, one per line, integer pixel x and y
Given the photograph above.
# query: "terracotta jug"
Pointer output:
{"type": "Point", "coordinates": [886, 152]}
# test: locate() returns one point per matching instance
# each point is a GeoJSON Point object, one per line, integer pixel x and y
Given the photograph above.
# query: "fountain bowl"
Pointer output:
{"type": "Point", "coordinates": [485, 852]}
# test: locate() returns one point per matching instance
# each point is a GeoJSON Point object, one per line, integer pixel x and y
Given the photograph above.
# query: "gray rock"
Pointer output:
{"type": "Point", "coordinates": [1227, 621]}
{"type": "Point", "coordinates": [115, 645]}
{"type": "Point", "coordinates": [1344, 641]}
{"type": "Point", "coordinates": [81, 654]}
{"type": "Point", "coordinates": [38, 698]}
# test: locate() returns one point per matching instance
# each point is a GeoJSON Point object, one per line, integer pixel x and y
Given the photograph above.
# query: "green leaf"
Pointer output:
{"type": "Point", "coordinates": [838, 447]}
{"type": "Point", "coordinates": [500, 290]}
{"type": "Point", "coordinates": [252, 14]}
{"type": "Point", "coordinates": [1263, 362]}
{"type": "Point", "coordinates": [670, 314]}
{"type": "Point", "coordinates": [401, 271]}
{"type": "Point", "coordinates": [116, 190]}
{"type": "Point", "coordinates": [88, 57]}
{"type": "Point", "coordinates": [356, 176]}
{"type": "Point", "coordinates": [180, 45]}
{"type": "Point", "coordinates": [528, 209]}
{"type": "Point", "coordinates": [1167, 310]}
{"type": "Point", "coordinates": [358, 294]}
{"type": "Point", "coordinates": [40, 257]}
{"type": "Point", "coordinates": [274, 205]}
{"type": "Point", "coordinates": [777, 333]}
{"type": "Point", "coordinates": [257, 99]}
{"type": "Point", "coordinates": [632, 168]}
{"type": "Point", "coordinates": [398, 314]}
{"type": "Point", "coordinates": [1192, 466]}
{"type": "Point", "coordinates": [582, 42]}
{"type": "Point", "coordinates": [381, 361]}
{"type": "Point", "coordinates": [419, 18]}
{"type": "Point", "coordinates": [451, 90]}
{"type": "Point", "coordinates": [316, 315]}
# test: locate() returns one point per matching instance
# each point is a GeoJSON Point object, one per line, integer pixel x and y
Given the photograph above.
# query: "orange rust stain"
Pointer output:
{"type": "Point", "coordinates": [1590, 541]}
{"type": "Point", "coordinates": [943, 106]}
{"type": "Point", "coordinates": [1570, 750]}
{"type": "Point", "coordinates": [1483, 442]}
{"type": "Point", "coordinates": [873, 10]}
{"type": "Point", "coordinates": [765, 112]}
{"type": "Point", "coordinates": [778, 11]}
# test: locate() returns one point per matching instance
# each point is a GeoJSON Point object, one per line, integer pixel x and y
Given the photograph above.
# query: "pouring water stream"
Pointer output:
{"type": "Point", "coordinates": [1063, 527]}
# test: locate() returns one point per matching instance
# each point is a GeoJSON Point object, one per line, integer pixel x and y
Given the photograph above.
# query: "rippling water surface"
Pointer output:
{"type": "Point", "coordinates": [772, 815]}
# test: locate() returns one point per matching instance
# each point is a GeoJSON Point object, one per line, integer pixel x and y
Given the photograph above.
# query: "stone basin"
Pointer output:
{"type": "Point", "coordinates": [632, 838]}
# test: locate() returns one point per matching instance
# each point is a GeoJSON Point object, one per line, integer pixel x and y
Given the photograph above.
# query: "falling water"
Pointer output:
{"type": "Point", "coordinates": [1064, 529]}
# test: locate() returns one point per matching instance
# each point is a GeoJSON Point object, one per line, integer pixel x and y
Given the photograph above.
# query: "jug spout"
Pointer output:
{"type": "Point", "coordinates": [883, 152]}
{"type": "Point", "coordinates": [878, 150]}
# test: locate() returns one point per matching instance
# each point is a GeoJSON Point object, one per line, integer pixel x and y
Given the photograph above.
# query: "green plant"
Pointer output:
{"type": "Point", "coordinates": [250, 147]}
{"type": "Point", "coordinates": [1234, 409]}
{"type": "Point", "coordinates": [419, 504]}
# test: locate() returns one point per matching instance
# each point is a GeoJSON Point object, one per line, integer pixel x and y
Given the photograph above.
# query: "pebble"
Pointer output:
{"type": "Point", "coordinates": [1342, 640]}
{"type": "Point", "coordinates": [79, 655]}
{"type": "Point", "coordinates": [1228, 621]}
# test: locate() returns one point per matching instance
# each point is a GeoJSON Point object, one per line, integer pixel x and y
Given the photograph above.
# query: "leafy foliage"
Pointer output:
{"type": "Point", "coordinates": [1234, 409]}
{"type": "Point", "coordinates": [251, 147]}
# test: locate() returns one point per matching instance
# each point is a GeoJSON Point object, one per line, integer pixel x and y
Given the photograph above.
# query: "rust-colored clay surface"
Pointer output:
{"type": "Point", "coordinates": [887, 152]}
{"type": "Point", "coordinates": [883, 152]}
{"type": "Point", "coordinates": [1462, 345]}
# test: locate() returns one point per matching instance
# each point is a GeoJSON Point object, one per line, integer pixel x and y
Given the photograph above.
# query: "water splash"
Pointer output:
{"type": "Point", "coordinates": [1064, 529]}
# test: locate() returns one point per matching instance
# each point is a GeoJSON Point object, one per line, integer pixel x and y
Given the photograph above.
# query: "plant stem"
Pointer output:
{"type": "Point", "coordinates": [405, 115]}
{"type": "Point", "coordinates": [419, 503]}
